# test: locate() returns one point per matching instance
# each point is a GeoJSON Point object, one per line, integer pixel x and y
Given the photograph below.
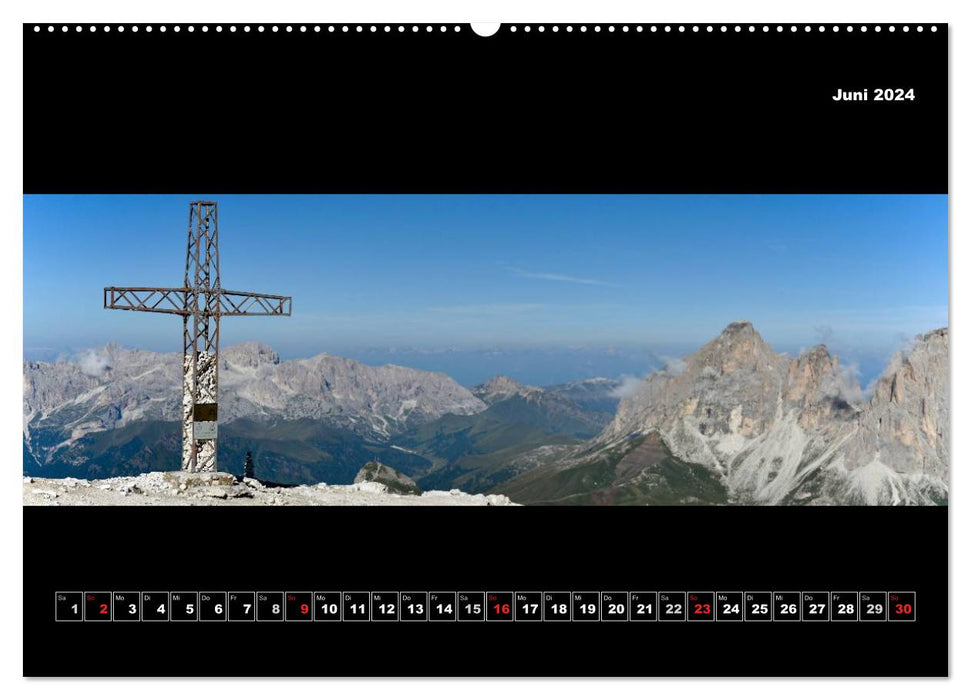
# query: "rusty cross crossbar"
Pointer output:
{"type": "Point", "coordinates": [250, 304]}
{"type": "Point", "coordinates": [201, 302]}
{"type": "Point", "coordinates": [160, 300]}
{"type": "Point", "coordinates": [174, 300]}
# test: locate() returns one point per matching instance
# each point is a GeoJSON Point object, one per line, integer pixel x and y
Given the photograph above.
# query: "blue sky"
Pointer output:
{"type": "Point", "coordinates": [486, 272]}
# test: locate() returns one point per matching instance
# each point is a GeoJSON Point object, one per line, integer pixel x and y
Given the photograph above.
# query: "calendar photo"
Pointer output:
{"type": "Point", "coordinates": [487, 350]}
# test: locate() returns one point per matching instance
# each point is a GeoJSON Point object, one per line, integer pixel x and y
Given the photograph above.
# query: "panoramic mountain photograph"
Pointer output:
{"type": "Point", "coordinates": [485, 350]}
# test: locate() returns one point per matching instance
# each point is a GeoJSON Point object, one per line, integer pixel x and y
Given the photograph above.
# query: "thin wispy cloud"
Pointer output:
{"type": "Point", "coordinates": [556, 277]}
{"type": "Point", "coordinates": [485, 309]}
{"type": "Point", "coordinates": [629, 385]}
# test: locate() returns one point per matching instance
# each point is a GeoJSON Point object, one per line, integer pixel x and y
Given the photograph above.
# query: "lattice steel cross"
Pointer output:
{"type": "Point", "coordinates": [201, 302]}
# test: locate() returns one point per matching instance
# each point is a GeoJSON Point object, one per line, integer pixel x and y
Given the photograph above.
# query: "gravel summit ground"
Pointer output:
{"type": "Point", "coordinates": [178, 489]}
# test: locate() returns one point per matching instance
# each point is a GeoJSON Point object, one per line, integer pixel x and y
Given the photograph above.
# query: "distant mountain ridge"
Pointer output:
{"type": "Point", "coordinates": [597, 394]}
{"type": "Point", "coordinates": [116, 411]}
{"type": "Point", "coordinates": [473, 451]}
{"type": "Point", "coordinates": [116, 387]}
{"type": "Point", "coordinates": [551, 409]}
{"type": "Point", "coordinates": [501, 387]}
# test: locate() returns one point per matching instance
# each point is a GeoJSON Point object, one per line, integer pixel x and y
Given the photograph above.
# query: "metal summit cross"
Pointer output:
{"type": "Point", "coordinates": [201, 302]}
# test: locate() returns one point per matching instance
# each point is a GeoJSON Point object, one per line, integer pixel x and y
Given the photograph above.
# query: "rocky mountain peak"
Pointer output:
{"type": "Point", "coordinates": [501, 387]}
{"type": "Point", "coordinates": [819, 391]}
{"type": "Point", "coordinates": [780, 429]}
{"type": "Point", "coordinates": [816, 354]}
{"type": "Point", "coordinates": [739, 328]}
{"type": "Point", "coordinates": [738, 346]}
{"type": "Point", "coordinates": [395, 481]}
{"type": "Point", "coordinates": [936, 335]}
{"type": "Point", "coordinates": [249, 354]}
{"type": "Point", "coordinates": [914, 370]}
{"type": "Point", "coordinates": [900, 451]}
{"type": "Point", "coordinates": [501, 382]}
{"type": "Point", "coordinates": [815, 371]}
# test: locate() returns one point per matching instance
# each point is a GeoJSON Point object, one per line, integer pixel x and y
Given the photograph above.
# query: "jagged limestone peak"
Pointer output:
{"type": "Point", "coordinates": [779, 429]}
{"type": "Point", "coordinates": [739, 346]}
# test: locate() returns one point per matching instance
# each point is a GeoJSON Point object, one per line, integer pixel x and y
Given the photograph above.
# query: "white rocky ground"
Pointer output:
{"type": "Point", "coordinates": [179, 489]}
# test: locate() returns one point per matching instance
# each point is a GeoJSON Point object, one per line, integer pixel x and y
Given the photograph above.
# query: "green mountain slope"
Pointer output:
{"type": "Point", "coordinates": [474, 453]}
{"type": "Point", "coordinates": [640, 471]}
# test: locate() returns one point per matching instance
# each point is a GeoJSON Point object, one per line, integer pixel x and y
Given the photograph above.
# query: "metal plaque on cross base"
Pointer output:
{"type": "Point", "coordinates": [204, 430]}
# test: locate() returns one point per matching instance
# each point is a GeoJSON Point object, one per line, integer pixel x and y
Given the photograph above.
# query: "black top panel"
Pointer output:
{"type": "Point", "coordinates": [449, 111]}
